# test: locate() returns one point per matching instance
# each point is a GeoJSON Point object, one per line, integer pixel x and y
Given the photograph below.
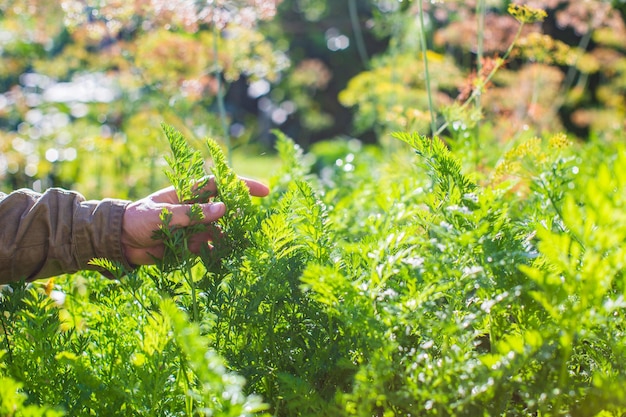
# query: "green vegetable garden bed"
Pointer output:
{"type": "Point", "coordinates": [405, 284]}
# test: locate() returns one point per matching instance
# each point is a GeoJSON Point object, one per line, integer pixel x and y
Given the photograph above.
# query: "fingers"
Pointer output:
{"type": "Point", "coordinates": [142, 218]}
{"type": "Point", "coordinates": [256, 188]}
{"type": "Point", "coordinates": [144, 256]}
{"type": "Point", "coordinates": [168, 195]}
{"type": "Point", "coordinates": [205, 187]}
{"type": "Point", "coordinates": [180, 213]}
{"type": "Point", "coordinates": [199, 241]}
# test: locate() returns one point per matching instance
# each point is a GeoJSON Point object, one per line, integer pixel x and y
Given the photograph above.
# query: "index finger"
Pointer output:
{"type": "Point", "coordinates": [168, 195]}
{"type": "Point", "coordinates": [257, 189]}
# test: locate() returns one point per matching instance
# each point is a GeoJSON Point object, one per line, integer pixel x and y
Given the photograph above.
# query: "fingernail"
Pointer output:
{"type": "Point", "coordinates": [217, 209]}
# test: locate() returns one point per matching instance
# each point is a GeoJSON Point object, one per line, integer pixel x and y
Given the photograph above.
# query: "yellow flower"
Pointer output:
{"type": "Point", "coordinates": [543, 48]}
{"type": "Point", "coordinates": [526, 14]}
{"type": "Point", "coordinates": [531, 147]}
{"type": "Point", "coordinates": [559, 141]}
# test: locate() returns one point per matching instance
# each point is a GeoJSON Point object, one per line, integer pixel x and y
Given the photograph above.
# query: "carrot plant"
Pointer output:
{"type": "Point", "coordinates": [387, 286]}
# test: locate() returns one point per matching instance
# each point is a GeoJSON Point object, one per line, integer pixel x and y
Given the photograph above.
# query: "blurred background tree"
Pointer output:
{"type": "Point", "coordinates": [84, 84]}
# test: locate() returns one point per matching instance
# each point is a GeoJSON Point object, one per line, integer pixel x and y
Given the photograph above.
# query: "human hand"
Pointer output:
{"type": "Point", "coordinates": [142, 218]}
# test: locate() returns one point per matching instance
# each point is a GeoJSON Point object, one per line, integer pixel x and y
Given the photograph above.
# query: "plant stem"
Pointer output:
{"type": "Point", "coordinates": [220, 96]}
{"type": "Point", "coordinates": [192, 284]}
{"type": "Point", "coordinates": [563, 375]}
{"type": "Point", "coordinates": [481, 38]}
{"type": "Point", "coordinates": [6, 338]}
{"type": "Point", "coordinates": [553, 202]}
{"type": "Point", "coordinates": [358, 34]}
{"type": "Point", "coordinates": [431, 107]}
{"type": "Point", "coordinates": [481, 12]}
{"type": "Point", "coordinates": [140, 301]}
{"type": "Point", "coordinates": [571, 73]}
{"type": "Point", "coordinates": [183, 370]}
{"type": "Point", "coordinates": [488, 78]}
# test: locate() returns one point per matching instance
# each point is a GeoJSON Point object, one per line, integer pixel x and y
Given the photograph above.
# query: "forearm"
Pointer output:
{"type": "Point", "coordinates": [57, 232]}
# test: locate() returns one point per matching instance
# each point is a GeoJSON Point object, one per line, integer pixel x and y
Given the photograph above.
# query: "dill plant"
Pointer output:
{"type": "Point", "coordinates": [524, 15]}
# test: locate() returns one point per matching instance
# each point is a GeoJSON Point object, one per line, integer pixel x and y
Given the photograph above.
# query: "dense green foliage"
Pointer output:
{"type": "Point", "coordinates": [477, 271]}
{"type": "Point", "coordinates": [391, 285]}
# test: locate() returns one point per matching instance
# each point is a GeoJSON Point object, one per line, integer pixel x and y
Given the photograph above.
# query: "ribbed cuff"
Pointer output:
{"type": "Point", "coordinates": [98, 233]}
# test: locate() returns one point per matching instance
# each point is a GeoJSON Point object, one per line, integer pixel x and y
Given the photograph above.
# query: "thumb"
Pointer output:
{"type": "Point", "coordinates": [210, 211]}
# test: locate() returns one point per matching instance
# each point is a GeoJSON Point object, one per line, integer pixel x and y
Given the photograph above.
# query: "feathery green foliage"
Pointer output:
{"type": "Point", "coordinates": [187, 173]}
{"type": "Point", "coordinates": [450, 185]}
{"type": "Point", "coordinates": [240, 218]}
{"type": "Point", "coordinates": [400, 288]}
{"type": "Point", "coordinates": [12, 402]}
{"type": "Point", "coordinates": [476, 275]}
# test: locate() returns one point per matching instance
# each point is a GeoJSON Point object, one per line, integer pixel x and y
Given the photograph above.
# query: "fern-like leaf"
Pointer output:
{"type": "Point", "coordinates": [187, 173]}
{"type": "Point", "coordinates": [444, 168]}
{"type": "Point", "coordinates": [240, 218]}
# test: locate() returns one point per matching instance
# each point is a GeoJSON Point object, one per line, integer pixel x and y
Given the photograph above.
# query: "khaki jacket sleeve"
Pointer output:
{"type": "Point", "coordinates": [57, 232]}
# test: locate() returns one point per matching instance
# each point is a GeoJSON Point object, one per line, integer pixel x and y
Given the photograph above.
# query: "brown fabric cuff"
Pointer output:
{"type": "Point", "coordinates": [98, 231]}
{"type": "Point", "coordinates": [57, 232]}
